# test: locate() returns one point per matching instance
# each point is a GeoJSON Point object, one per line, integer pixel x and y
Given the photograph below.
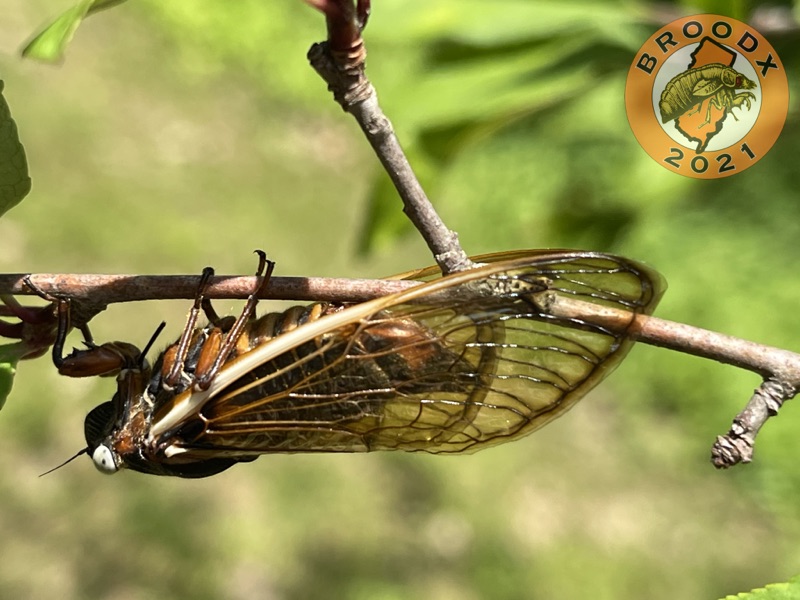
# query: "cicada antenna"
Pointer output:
{"type": "Point", "coordinates": [69, 460]}
{"type": "Point", "coordinates": [150, 343]}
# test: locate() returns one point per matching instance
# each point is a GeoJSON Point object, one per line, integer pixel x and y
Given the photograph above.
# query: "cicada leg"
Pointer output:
{"type": "Point", "coordinates": [265, 268]}
{"type": "Point", "coordinates": [215, 352]}
{"type": "Point", "coordinates": [721, 101]}
{"type": "Point", "coordinates": [35, 329]}
{"type": "Point", "coordinates": [63, 311]}
{"type": "Point", "coordinates": [103, 360]}
{"type": "Point", "coordinates": [173, 376]}
{"type": "Point", "coordinates": [696, 110]}
{"type": "Point", "coordinates": [739, 100]}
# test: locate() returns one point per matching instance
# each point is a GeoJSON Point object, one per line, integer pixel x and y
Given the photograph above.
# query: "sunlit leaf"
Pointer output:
{"type": "Point", "coordinates": [50, 44]}
{"type": "Point", "coordinates": [14, 181]}
{"type": "Point", "coordinates": [777, 591]}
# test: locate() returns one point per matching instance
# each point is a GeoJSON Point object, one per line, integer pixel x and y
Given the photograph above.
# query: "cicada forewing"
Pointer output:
{"type": "Point", "coordinates": [456, 364]}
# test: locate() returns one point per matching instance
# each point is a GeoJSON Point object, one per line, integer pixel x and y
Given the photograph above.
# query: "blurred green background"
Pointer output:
{"type": "Point", "coordinates": [182, 134]}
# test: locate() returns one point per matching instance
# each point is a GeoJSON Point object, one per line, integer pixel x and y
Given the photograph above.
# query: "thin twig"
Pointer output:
{"type": "Point", "coordinates": [110, 289]}
{"type": "Point", "coordinates": [340, 61]}
{"type": "Point", "coordinates": [764, 360]}
{"type": "Point", "coordinates": [737, 445]}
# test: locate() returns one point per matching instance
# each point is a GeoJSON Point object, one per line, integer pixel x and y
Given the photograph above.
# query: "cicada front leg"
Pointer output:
{"type": "Point", "coordinates": [739, 100]}
{"type": "Point", "coordinates": [96, 360]}
{"type": "Point", "coordinates": [206, 375]}
{"type": "Point", "coordinates": [175, 356]}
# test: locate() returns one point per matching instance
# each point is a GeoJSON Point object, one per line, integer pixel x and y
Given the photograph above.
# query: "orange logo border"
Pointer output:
{"type": "Point", "coordinates": [682, 158]}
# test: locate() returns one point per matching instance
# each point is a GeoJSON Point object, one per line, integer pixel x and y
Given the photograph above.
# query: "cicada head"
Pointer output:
{"type": "Point", "coordinates": [118, 431]}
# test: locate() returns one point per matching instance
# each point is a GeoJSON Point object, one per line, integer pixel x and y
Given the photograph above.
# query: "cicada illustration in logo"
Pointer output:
{"type": "Point", "coordinates": [707, 96]}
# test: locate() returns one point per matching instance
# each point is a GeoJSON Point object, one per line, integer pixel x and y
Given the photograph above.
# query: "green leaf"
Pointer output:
{"type": "Point", "coordinates": [777, 591]}
{"type": "Point", "coordinates": [385, 220]}
{"type": "Point", "coordinates": [7, 371]}
{"type": "Point", "coordinates": [49, 45]}
{"type": "Point", "coordinates": [14, 181]}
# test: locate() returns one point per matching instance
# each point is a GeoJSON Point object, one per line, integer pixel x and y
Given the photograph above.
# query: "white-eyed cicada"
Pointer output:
{"type": "Point", "coordinates": [459, 363]}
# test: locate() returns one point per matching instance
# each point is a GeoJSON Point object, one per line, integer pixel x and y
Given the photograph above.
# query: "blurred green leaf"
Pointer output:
{"type": "Point", "coordinates": [777, 591]}
{"type": "Point", "coordinates": [384, 221]}
{"type": "Point", "coordinates": [7, 371]}
{"type": "Point", "coordinates": [50, 44]}
{"type": "Point", "coordinates": [14, 181]}
{"type": "Point", "coordinates": [506, 22]}
{"type": "Point", "coordinates": [10, 355]}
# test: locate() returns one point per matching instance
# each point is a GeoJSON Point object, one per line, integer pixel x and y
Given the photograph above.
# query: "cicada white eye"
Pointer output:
{"type": "Point", "coordinates": [104, 460]}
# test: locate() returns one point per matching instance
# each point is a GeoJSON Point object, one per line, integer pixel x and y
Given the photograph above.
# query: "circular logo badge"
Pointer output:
{"type": "Point", "coordinates": [706, 96]}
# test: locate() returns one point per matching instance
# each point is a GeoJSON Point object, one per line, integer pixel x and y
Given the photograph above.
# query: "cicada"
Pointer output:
{"type": "Point", "coordinates": [458, 363]}
{"type": "Point", "coordinates": [692, 87]}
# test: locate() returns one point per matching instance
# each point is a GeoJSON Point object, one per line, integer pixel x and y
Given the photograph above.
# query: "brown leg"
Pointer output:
{"type": "Point", "coordinates": [265, 268]}
{"type": "Point", "coordinates": [173, 376]}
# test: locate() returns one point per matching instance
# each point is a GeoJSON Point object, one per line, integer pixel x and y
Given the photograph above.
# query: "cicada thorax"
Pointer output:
{"type": "Point", "coordinates": [456, 364]}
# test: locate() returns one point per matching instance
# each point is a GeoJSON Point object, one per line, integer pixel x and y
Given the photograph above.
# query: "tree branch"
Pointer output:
{"type": "Point", "coordinates": [340, 61]}
{"type": "Point", "coordinates": [109, 289]}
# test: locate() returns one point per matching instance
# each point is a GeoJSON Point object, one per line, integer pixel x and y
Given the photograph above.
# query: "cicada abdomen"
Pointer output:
{"type": "Point", "coordinates": [456, 364]}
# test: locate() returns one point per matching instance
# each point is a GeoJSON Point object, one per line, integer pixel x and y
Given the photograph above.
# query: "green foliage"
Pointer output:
{"type": "Point", "coordinates": [14, 186]}
{"type": "Point", "coordinates": [14, 181]}
{"type": "Point", "coordinates": [51, 43]}
{"type": "Point", "coordinates": [266, 41]}
{"type": "Point", "coordinates": [7, 371]}
{"type": "Point", "coordinates": [483, 71]}
{"type": "Point", "coordinates": [777, 591]}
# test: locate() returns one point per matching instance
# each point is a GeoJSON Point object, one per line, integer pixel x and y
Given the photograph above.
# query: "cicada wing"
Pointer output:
{"type": "Point", "coordinates": [704, 87]}
{"type": "Point", "coordinates": [457, 364]}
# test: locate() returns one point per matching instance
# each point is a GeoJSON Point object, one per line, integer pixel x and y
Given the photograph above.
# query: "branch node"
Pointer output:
{"type": "Point", "coordinates": [737, 446]}
{"type": "Point", "coordinates": [454, 259]}
{"type": "Point", "coordinates": [343, 71]}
